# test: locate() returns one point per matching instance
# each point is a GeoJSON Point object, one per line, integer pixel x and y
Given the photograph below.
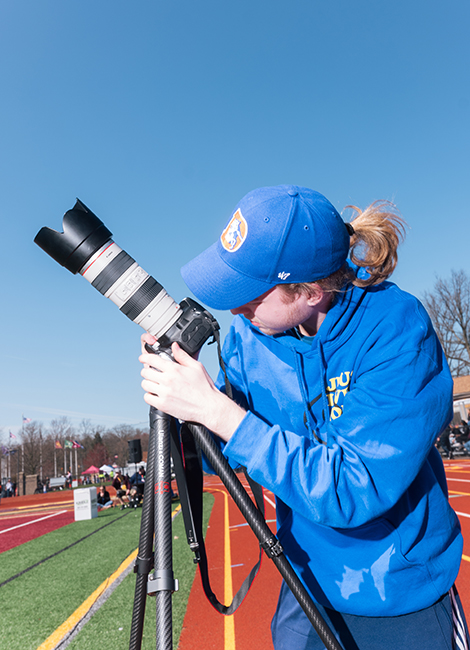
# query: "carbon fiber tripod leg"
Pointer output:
{"type": "Point", "coordinates": [144, 562]}
{"type": "Point", "coordinates": [163, 575]}
{"type": "Point", "coordinates": [156, 518]}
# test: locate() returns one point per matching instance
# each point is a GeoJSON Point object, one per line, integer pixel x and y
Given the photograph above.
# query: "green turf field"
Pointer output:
{"type": "Point", "coordinates": [36, 603]}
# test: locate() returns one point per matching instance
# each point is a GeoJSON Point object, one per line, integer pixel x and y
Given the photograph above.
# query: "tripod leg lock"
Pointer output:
{"type": "Point", "coordinates": [272, 547]}
{"type": "Point", "coordinates": [143, 566]}
{"type": "Point", "coordinates": [161, 580]}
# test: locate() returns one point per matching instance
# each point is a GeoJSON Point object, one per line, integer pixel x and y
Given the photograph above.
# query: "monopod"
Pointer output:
{"type": "Point", "coordinates": [85, 246]}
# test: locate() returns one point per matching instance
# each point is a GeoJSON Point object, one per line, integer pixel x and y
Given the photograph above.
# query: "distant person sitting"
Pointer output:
{"type": "Point", "coordinates": [104, 500]}
{"type": "Point", "coordinates": [135, 498]}
{"type": "Point", "coordinates": [138, 479]}
{"type": "Point", "coordinates": [122, 486]}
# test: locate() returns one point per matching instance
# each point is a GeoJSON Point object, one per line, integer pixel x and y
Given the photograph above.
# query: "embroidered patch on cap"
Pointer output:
{"type": "Point", "coordinates": [235, 233]}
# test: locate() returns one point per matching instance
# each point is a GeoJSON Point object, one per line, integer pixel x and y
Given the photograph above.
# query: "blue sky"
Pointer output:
{"type": "Point", "coordinates": [161, 116]}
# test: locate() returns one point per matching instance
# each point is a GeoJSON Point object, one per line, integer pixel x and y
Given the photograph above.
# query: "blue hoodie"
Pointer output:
{"type": "Point", "coordinates": [341, 427]}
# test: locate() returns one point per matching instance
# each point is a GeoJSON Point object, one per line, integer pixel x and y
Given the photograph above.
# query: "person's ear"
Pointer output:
{"type": "Point", "coordinates": [316, 295]}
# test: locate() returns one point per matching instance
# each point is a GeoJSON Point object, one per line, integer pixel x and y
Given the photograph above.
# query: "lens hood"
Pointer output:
{"type": "Point", "coordinates": [83, 234]}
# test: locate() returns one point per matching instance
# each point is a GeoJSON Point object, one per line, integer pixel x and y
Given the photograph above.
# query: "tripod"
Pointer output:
{"type": "Point", "coordinates": [156, 518]}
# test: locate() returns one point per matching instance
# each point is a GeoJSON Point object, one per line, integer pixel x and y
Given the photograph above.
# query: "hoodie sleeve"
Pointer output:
{"type": "Point", "coordinates": [399, 402]}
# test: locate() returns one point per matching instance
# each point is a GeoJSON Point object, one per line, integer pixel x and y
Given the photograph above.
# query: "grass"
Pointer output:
{"type": "Point", "coordinates": [39, 601]}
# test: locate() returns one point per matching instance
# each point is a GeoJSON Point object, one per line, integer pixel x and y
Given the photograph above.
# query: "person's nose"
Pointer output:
{"type": "Point", "coordinates": [244, 310]}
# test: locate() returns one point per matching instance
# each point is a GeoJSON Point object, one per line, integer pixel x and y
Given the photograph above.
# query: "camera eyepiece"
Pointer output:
{"type": "Point", "coordinates": [85, 246]}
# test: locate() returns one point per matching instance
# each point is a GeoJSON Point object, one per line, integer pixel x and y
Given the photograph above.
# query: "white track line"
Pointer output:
{"type": "Point", "coordinates": [33, 522]}
{"type": "Point", "coordinates": [269, 501]}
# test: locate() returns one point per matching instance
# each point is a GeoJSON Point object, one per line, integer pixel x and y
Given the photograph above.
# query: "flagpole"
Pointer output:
{"type": "Point", "coordinates": [9, 463]}
{"type": "Point", "coordinates": [22, 443]}
{"type": "Point", "coordinates": [40, 454]}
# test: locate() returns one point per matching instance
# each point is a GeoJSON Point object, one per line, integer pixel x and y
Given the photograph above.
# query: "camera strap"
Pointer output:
{"type": "Point", "coordinates": [189, 476]}
{"type": "Point", "coordinates": [216, 339]}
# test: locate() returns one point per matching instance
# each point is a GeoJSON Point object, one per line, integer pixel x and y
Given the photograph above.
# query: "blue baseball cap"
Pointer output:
{"type": "Point", "coordinates": [276, 235]}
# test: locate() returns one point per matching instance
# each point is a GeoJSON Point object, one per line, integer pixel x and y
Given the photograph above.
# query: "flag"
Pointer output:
{"type": "Point", "coordinates": [68, 444]}
{"type": "Point", "coordinates": [58, 445]}
{"type": "Point", "coordinates": [77, 445]}
{"type": "Point", "coordinates": [5, 450]}
{"type": "Point", "coordinates": [11, 435]}
{"type": "Point", "coordinates": [13, 451]}
{"type": "Point", "coordinates": [26, 419]}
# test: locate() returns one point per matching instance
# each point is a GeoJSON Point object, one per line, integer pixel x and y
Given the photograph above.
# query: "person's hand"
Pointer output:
{"type": "Point", "coordinates": [147, 338]}
{"type": "Point", "coordinates": [151, 340]}
{"type": "Point", "coordinates": [184, 390]}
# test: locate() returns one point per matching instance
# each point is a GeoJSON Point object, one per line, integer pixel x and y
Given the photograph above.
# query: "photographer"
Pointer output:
{"type": "Point", "coordinates": [332, 369]}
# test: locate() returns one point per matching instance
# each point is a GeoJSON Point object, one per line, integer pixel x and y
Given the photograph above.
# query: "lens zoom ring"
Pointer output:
{"type": "Point", "coordinates": [141, 298]}
{"type": "Point", "coordinates": [112, 272]}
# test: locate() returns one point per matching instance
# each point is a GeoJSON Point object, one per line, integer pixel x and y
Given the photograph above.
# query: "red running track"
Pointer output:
{"type": "Point", "coordinates": [231, 543]}
{"type": "Point", "coordinates": [249, 627]}
{"type": "Point", "coordinates": [458, 481]}
{"type": "Point", "coordinates": [28, 517]}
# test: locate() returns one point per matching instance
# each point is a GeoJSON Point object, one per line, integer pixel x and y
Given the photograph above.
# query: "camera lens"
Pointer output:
{"type": "Point", "coordinates": [140, 297]}
{"type": "Point", "coordinates": [86, 247]}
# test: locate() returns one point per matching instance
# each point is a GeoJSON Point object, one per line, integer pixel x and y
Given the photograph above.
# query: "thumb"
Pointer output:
{"type": "Point", "coordinates": [180, 356]}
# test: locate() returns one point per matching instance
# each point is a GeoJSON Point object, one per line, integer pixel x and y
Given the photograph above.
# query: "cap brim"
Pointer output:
{"type": "Point", "coordinates": [217, 285]}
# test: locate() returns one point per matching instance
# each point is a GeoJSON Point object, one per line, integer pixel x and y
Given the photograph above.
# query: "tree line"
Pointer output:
{"type": "Point", "coordinates": [448, 305]}
{"type": "Point", "coordinates": [36, 450]}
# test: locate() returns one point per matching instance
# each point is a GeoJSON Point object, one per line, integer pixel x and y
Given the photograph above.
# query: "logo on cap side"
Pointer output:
{"type": "Point", "coordinates": [235, 233]}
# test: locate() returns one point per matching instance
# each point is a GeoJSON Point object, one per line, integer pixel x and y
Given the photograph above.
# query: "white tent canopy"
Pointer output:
{"type": "Point", "coordinates": [106, 468]}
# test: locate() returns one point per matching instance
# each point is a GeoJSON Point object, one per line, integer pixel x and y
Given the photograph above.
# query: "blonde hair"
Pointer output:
{"type": "Point", "coordinates": [378, 231]}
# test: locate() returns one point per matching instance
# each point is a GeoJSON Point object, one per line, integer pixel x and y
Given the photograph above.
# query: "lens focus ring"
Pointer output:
{"type": "Point", "coordinates": [112, 272]}
{"type": "Point", "coordinates": [141, 298]}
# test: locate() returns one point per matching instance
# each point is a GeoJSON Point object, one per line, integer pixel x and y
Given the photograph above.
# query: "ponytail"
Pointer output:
{"type": "Point", "coordinates": [378, 231]}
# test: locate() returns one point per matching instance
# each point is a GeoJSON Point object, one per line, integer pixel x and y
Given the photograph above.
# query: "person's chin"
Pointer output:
{"type": "Point", "coordinates": [263, 328]}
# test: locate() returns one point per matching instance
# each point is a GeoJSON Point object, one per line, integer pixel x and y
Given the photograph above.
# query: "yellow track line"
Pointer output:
{"type": "Point", "coordinates": [14, 514]}
{"type": "Point", "coordinates": [65, 502]}
{"type": "Point", "coordinates": [73, 620]}
{"type": "Point", "coordinates": [458, 470]}
{"type": "Point", "coordinates": [229, 624]}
